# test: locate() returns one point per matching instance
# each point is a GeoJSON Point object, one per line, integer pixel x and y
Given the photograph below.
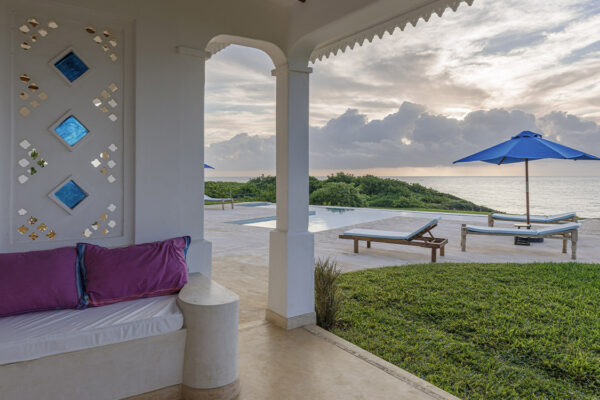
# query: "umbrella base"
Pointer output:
{"type": "Point", "coordinates": [526, 241]}
{"type": "Point", "coordinates": [522, 241]}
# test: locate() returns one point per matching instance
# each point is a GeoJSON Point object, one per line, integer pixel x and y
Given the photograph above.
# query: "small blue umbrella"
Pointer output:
{"type": "Point", "coordinates": [526, 146]}
{"type": "Point", "coordinates": [208, 166]}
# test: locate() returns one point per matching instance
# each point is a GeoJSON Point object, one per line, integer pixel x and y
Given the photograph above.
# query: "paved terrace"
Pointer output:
{"type": "Point", "coordinates": [311, 363]}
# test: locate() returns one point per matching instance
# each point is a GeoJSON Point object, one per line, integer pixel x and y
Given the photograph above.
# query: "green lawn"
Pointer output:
{"type": "Point", "coordinates": [482, 331]}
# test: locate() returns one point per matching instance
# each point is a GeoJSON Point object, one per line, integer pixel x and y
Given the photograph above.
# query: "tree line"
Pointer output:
{"type": "Point", "coordinates": [347, 190]}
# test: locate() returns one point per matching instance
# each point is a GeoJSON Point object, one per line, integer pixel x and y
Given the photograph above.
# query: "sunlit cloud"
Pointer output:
{"type": "Point", "coordinates": [539, 58]}
{"type": "Point", "coordinates": [412, 141]}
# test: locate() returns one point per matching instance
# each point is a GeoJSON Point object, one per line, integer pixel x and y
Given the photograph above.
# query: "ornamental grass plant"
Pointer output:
{"type": "Point", "coordinates": [328, 296]}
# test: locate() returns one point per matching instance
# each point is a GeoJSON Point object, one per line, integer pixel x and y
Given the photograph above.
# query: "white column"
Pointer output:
{"type": "Point", "coordinates": [191, 155]}
{"type": "Point", "coordinates": [199, 256]}
{"type": "Point", "coordinates": [291, 253]}
{"type": "Point", "coordinates": [169, 169]}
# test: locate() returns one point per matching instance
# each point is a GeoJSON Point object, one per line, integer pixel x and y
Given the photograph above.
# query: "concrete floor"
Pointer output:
{"type": "Point", "coordinates": [306, 363]}
{"type": "Point", "coordinates": [310, 363]}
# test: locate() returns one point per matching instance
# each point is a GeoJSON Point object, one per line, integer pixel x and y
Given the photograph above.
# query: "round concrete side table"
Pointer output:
{"type": "Point", "coordinates": [210, 369]}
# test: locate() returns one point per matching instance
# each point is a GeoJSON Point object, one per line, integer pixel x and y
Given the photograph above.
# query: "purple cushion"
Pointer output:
{"type": "Point", "coordinates": [38, 281]}
{"type": "Point", "coordinates": [127, 273]}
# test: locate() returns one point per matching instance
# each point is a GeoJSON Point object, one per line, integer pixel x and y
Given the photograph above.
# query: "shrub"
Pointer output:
{"type": "Point", "coordinates": [372, 185]}
{"type": "Point", "coordinates": [338, 194]}
{"type": "Point", "coordinates": [221, 189]}
{"type": "Point", "coordinates": [341, 177]}
{"type": "Point", "coordinates": [409, 202]}
{"type": "Point", "coordinates": [313, 184]}
{"type": "Point", "coordinates": [327, 292]}
{"type": "Point", "coordinates": [385, 200]}
{"type": "Point", "coordinates": [265, 185]}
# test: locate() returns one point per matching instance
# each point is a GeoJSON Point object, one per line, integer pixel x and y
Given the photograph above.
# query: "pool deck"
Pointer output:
{"type": "Point", "coordinates": [311, 363]}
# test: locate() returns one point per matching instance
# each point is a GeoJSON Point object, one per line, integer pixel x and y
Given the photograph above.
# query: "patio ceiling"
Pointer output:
{"type": "Point", "coordinates": [287, 2]}
{"type": "Point", "coordinates": [319, 29]}
{"type": "Point", "coordinates": [389, 15]}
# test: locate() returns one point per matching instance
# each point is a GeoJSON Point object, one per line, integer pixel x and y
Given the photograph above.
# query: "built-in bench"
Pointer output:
{"type": "Point", "coordinates": [40, 334]}
{"type": "Point", "coordinates": [175, 347]}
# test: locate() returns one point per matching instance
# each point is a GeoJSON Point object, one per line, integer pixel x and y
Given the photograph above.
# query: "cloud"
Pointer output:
{"type": "Point", "coordinates": [571, 131]}
{"type": "Point", "coordinates": [242, 152]}
{"type": "Point", "coordinates": [410, 137]}
{"type": "Point", "coordinates": [535, 56]}
{"type": "Point", "coordinates": [240, 94]}
{"type": "Point", "coordinates": [510, 41]}
{"type": "Point", "coordinates": [427, 95]}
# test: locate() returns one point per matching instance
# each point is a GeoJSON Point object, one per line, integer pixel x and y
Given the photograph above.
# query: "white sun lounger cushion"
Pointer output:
{"type": "Point", "coordinates": [40, 334]}
{"type": "Point", "coordinates": [208, 198]}
{"type": "Point", "coordinates": [377, 234]}
{"type": "Point", "coordinates": [548, 230]}
{"type": "Point", "coordinates": [524, 232]}
{"type": "Point", "coordinates": [534, 218]}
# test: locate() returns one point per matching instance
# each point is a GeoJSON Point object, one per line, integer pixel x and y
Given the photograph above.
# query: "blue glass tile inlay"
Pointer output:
{"type": "Point", "coordinates": [71, 130]}
{"type": "Point", "coordinates": [71, 66]}
{"type": "Point", "coordinates": [70, 194]}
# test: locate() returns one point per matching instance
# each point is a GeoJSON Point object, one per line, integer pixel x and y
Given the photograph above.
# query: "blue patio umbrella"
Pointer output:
{"type": "Point", "coordinates": [208, 166]}
{"type": "Point", "coordinates": [526, 146]}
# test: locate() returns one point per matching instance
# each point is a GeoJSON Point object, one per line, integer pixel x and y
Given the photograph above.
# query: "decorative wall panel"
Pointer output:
{"type": "Point", "coordinates": [68, 130]}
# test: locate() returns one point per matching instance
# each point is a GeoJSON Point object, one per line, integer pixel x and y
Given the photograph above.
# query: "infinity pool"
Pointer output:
{"type": "Point", "coordinates": [325, 218]}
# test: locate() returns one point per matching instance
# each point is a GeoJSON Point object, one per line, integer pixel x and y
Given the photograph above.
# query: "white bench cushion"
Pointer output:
{"type": "Point", "coordinates": [40, 334]}
{"type": "Point", "coordinates": [549, 230]}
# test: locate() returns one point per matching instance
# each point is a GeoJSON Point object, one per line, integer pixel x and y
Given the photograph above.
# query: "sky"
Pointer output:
{"type": "Point", "coordinates": [412, 102]}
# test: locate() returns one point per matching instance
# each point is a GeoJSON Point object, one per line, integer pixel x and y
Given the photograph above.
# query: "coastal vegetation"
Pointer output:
{"type": "Point", "coordinates": [481, 331]}
{"type": "Point", "coordinates": [347, 190]}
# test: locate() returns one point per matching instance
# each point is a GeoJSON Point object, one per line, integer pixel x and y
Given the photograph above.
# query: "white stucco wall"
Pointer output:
{"type": "Point", "coordinates": [165, 107]}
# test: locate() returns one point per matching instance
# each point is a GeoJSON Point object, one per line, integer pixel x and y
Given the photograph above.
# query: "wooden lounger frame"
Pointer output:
{"type": "Point", "coordinates": [219, 201]}
{"type": "Point", "coordinates": [420, 240]}
{"type": "Point", "coordinates": [491, 220]}
{"type": "Point", "coordinates": [565, 236]}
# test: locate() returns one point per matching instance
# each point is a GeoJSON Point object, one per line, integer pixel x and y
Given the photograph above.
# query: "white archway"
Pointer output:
{"type": "Point", "coordinates": [291, 245]}
{"type": "Point", "coordinates": [219, 42]}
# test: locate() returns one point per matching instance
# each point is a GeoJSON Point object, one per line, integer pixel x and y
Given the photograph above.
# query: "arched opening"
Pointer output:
{"type": "Point", "coordinates": [220, 42]}
{"type": "Point", "coordinates": [290, 294]}
{"type": "Point", "coordinates": [240, 115]}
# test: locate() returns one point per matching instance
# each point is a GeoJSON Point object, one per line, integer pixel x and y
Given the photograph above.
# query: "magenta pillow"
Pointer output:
{"type": "Point", "coordinates": [127, 273]}
{"type": "Point", "coordinates": [38, 281]}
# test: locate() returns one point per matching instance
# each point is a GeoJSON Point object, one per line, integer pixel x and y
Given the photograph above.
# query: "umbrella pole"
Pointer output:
{"type": "Point", "coordinates": [527, 187]}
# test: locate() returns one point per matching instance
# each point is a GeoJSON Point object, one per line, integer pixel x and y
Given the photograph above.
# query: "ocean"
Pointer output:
{"type": "Point", "coordinates": [548, 195]}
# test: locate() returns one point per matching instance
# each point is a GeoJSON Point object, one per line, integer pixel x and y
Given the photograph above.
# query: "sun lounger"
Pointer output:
{"type": "Point", "coordinates": [565, 232]}
{"type": "Point", "coordinates": [535, 219]}
{"type": "Point", "coordinates": [416, 238]}
{"type": "Point", "coordinates": [211, 200]}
